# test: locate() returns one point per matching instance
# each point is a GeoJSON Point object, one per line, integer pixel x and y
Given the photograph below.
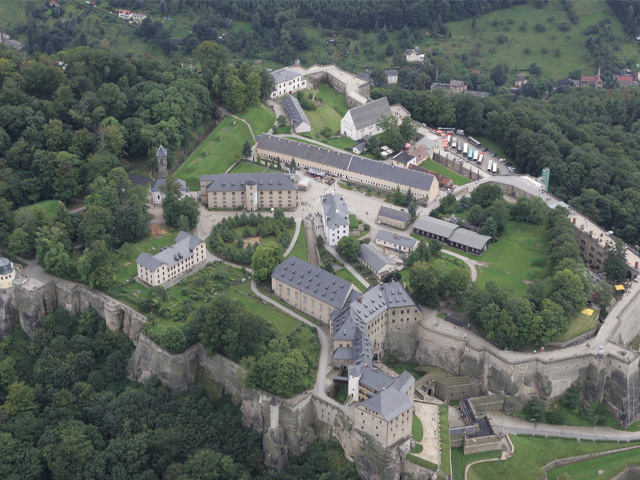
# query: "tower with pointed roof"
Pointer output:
{"type": "Point", "coordinates": [161, 155]}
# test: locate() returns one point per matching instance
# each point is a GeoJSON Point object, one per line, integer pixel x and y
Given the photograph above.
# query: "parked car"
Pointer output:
{"type": "Point", "coordinates": [493, 154]}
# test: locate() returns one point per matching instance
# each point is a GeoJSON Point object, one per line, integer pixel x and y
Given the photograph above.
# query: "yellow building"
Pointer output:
{"type": "Point", "coordinates": [250, 191]}
{"type": "Point", "coordinates": [7, 273]}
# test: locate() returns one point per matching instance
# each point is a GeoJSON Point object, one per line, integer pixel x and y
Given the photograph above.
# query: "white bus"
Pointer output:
{"type": "Point", "coordinates": [475, 155]}
{"type": "Point", "coordinates": [490, 167]}
{"type": "Point", "coordinates": [481, 158]}
{"type": "Point", "coordinates": [495, 167]}
{"type": "Point", "coordinates": [453, 143]}
{"type": "Point", "coordinates": [464, 149]}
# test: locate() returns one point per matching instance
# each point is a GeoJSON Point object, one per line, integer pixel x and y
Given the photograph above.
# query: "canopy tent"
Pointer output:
{"type": "Point", "coordinates": [317, 173]}
{"type": "Point", "coordinates": [619, 288]}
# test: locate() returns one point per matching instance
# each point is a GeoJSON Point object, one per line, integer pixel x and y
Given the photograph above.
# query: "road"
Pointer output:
{"type": "Point", "coordinates": [472, 264]}
{"type": "Point", "coordinates": [295, 237]}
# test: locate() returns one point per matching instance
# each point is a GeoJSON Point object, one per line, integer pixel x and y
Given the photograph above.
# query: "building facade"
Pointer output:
{"type": "Point", "coordinates": [376, 261]}
{"type": "Point", "coordinates": [396, 242]}
{"type": "Point", "coordinates": [392, 76]}
{"type": "Point", "coordinates": [286, 81]}
{"type": "Point", "coordinates": [451, 234]}
{"type": "Point", "coordinates": [7, 273]}
{"type": "Point", "coordinates": [157, 190]}
{"type": "Point", "coordinates": [310, 289]}
{"type": "Point", "coordinates": [171, 262]}
{"type": "Point", "coordinates": [250, 191]}
{"type": "Point", "coordinates": [296, 115]}
{"type": "Point", "coordinates": [394, 218]}
{"type": "Point", "coordinates": [349, 167]}
{"type": "Point", "coordinates": [362, 120]}
{"type": "Point", "coordinates": [335, 218]}
{"type": "Point", "coordinates": [414, 55]}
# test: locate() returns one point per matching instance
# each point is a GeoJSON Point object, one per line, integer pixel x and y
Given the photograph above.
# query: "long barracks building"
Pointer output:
{"type": "Point", "coordinates": [349, 167]}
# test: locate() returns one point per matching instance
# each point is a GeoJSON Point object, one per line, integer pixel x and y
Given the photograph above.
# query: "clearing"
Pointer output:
{"type": "Point", "coordinates": [442, 170]}
{"type": "Point", "coordinates": [49, 206]}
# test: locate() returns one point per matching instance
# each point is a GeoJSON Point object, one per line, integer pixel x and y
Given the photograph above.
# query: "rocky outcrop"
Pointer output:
{"type": "Point", "coordinates": [377, 463]}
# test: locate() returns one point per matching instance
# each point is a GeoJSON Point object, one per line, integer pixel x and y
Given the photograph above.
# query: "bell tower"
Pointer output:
{"type": "Point", "coordinates": [161, 155]}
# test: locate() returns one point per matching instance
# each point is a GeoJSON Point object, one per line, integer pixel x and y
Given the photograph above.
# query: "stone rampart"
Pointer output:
{"type": "Point", "coordinates": [580, 458]}
{"type": "Point", "coordinates": [629, 473]}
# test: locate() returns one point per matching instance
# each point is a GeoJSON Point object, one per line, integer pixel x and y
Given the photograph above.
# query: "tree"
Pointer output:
{"type": "Point", "coordinates": [97, 266]}
{"type": "Point", "coordinates": [246, 149]}
{"type": "Point", "coordinates": [407, 129]}
{"type": "Point", "coordinates": [457, 281]}
{"type": "Point", "coordinates": [412, 208]}
{"type": "Point", "coordinates": [173, 207]}
{"type": "Point", "coordinates": [615, 263]}
{"type": "Point", "coordinates": [425, 284]}
{"type": "Point", "coordinates": [397, 198]}
{"type": "Point", "coordinates": [490, 228]}
{"type": "Point", "coordinates": [52, 251]}
{"type": "Point", "coordinates": [265, 259]}
{"type": "Point", "coordinates": [21, 242]}
{"type": "Point", "coordinates": [572, 398]}
{"type": "Point", "coordinates": [281, 370]}
{"type": "Point", "coordinates": [408, 198]}
{"type": "Point", "coordinates": [172, 339]}
{"type": "Point", "coordinates": [349, 248]}
{"type": "Point", "coordinates": [211, 465]}
{"type": "Point", "coordinates": [282, 120]}
{"type": "Point", "coordinates": [390, 50]}
{"type": "Point", "coordinates": [603, 294]}
{"type": "Point", "coordinates": [535, 409]}
{"type": "Point", "coordinates": [21, 398]}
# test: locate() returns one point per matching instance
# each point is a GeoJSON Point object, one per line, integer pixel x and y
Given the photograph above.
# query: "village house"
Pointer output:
{"type": "Point", "coordinates": [349, 167]}
{"type": "Point", "coordinates": [625, 81]}
{"type": "Point", "coordinates": [125, 15]}
{"type": "Point", "coordinates": [414, 55]}
{"type": "Point", "coordinates": [250, 191]}
{"type": "Point", "coordinates": [452, 234]}
{"type": "Point", "coordinates": [591, 80]}
{"type": "Point", "coordinates": [403, 160]}
{"type": "Point", "coordinates": [335, 218]}
{"type": "Point", "coordinates": [392, 76]}
{"type": "Point", "coordinates": [521, 79]}
{"type": "Point", "coordinates": [394, 218]}
{"type": "Point", "coordinates": [158, 187]}
{"type": "Point", "coordinates": [395, 241]}
{"type": "Point", "coordinates": [171, 262]}
{"type": "Point", "coordinates": [296, 115]}
{"type": "Point", "coordinates": [7, 273]}
{"type": "Point", "coordinates": [362, 120]}
{"type": "Point", "coordinates": [286, 81]}
{"type": "Point", "coordinates": [375, 260]}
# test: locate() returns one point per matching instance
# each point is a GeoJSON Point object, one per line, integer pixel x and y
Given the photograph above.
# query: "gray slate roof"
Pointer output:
{"type": "Point", "coordinates": [284, 75]}
{"type": "Point", "coordinates": [377, 299]}
{"type": "Point", "coordinates": [313, 281]}
{"type": "Point", "coordinates": [476, 93]}
{"type": "Point", "coordinates": [373, 257]}
{"type": "Point", "coordinates": [396, 238]}
{"type": "Point", "coordinates": [394, 214]}
{"type": "Point", "coordinates": [230, 182]}
{"type": "Point", "coordinates": [169, 256]}
{"type": "Point", "coordinates": [435, 226]}
{"type": "Point", "coordinates": [389, 403]}
{"type": "Point", "coordinates": [469, 238]}
{"type": "Point", "coordinates": [6, 267]}
{"type": "Point", "coordinates": [158, 184]}
{"type": "Point", "coordinates": [391, 73]}
{"type": "Point", "coordinates": [161, 152]}
{"type": "Point", "coordinates": [403, 158]}
{"type": "Point", "coordinates": [294, 110]}
{"type": "Point", "coordinates": [335, 210]}
{"type": "Point", "coordinates": [370, 113]}
{"type": "Point", "coordinates": [371, 377]}
{"type": "Point", "coordinates": [403, 382]}
{"type": "Point", "coordinates": [346, 161]}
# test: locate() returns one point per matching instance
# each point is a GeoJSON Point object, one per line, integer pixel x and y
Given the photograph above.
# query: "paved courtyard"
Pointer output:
{"type": "Point", "coordinates": [429, 415]}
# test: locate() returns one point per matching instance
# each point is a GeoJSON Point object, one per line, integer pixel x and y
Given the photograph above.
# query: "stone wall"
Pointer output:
{"type": "Point", "coordinates": [580, 458]}
{"type": "Point", "coordinates": [629, 473]}
{"type": "Point", "coordinates": [482, 444]}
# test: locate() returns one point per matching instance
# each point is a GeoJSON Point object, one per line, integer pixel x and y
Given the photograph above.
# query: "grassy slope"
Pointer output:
{"type": "Point", "coordinates": [571, 44]}
{"type": "Point", "coordinates": [130, 271]}
{"type": "Point", "coordinates": [531, 453]}
{"type": "Point", "coordinates": [582, 323]}
{"type": "Point", "coordinates": [590, 469]}
{"type": "Point", "coordinates": [459, 461]}
{"type": "Point", "coordinates": [48, 206]}
{"type": "Point", "coordinates": [220, 152]}
{"type": "Point", "coordinates": [416, 429]}
{"type": "Point", "coordinates": [445, 441]}
{"type": "Point", "coordinates": [349, 277]}
{"type": "Point", "coordinates": [442, 170]}
{"type": "Point", "coordinates": [300, 248]}
{"type": "Point", "coordinates": [247, 167]}
{"type": "Point", "coordinates": [259, 117]}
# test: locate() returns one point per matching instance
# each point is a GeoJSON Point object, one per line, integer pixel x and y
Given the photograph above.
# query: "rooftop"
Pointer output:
{"type": "Point", "coordinates": [183, 248]}
{"type": "Point", "coordinates": [373, 257]}
{"type": "Point", "coordinates": [158, 185]}
{"type": "Point", "coordinates": [6, 266]}
{"type": "Point", "coordinates": [370, 113]}
{"type": "Point", "coordinates": [403, 158]}
{"type": "Point", "coordinates": [386, 235]}
{"type": "Point", "coordinates": [451, 232]}
{"type": "Point", "coordinates": [313, 281]}
{"type": "Point", "coordinates": [394, 214]}
{"type": "Point", "coordinates": [389, 403]}
{"type": "Point", "coordinates": [335, 211]}
{"type": "Point", "coordinates": [161, 152]}
{"type": "Point", "coordinates": [229, 182]}
{"type": "Point", "coordinates": [294, 110]}
{"type": "Point", "coordinates": [283, 75]}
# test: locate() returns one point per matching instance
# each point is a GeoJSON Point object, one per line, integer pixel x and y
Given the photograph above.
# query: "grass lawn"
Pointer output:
{"type": "Point", "coordinates": [129, 271]}
{"type": "Point", "coordinates": [282, 130]}
{"type": "Point", "coordinates": [531, 453]}
{"type": "Point", "coordinates": [324, 116]}
{"type": "Point", "coordinates": [350, 277]}
{"type": "Point", "coordinates": [260, 117]}
{"type": "Point", "coordinates": [300, 248]}
{"type": "Point", "coordinates": [220, 145]}
{"type": "Point", "coordinates": [49, 206]}
{"type": "Point", "coordinates": [416, 429]}
{"type": "Point", "coordinates": [582, 323]}
{"type": "Point", "coordinates": [344, 143]}
{"type": "Point", "coordinates": [609, 465]}
{"type": "Point", "coordinates": [247, 167]}
{"type": "Point", "coordinates": [442, 170]}
{"type": "Point", "coordinates": [459, 461]}
{"type": "Point", "coordinates": [334, 99]}
{"type": "Point", "coordinates": [521, 48]}
{"type": "Point", "coordinates": [353, 222]}
{"type": "Point", "coordinates": [519, 255]}
{"type": "Point", "coordinates": [445, 441]}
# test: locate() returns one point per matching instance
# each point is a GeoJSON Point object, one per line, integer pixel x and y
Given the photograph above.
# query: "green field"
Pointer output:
{"type": "Point", "coordinates": [416, 429]}
{"type": "Point", "coordinates": [520, 255]}
{"type": "Point", "coordinates": [482, 47]}
{"type": "Point", "coordinates": [531, 453]}
{"type": "Point", "coordinates": [300, 248]}
{"type": "Point", "coordinates": [350, 277]}
{"type": "Point", "coordinates": [125, 272]}
{"type": "Point", "coordinates": [435, 167]}
{"type": "Point", "coordinates": [582, 323]}
{"type": "Point", "coordinates": [49, 206]}
{"type": "Point", "coordinates": [445, 441]}
{"type": "Point", "coordinates": [215, 154]}
{"type": "Point", "coordinates": [609, 465]}
{"type": "Point", "coordinates": [334, 99]}
{"type": "Point", "coordinates": [324, 116]}
{"type": "Point", "coordinates": [344, 143]}
{"type": "Point", "coordinates": [247, 167]}
{"type": "Point", "coordinates": [260, 117]}
{"type": "Point", "coordinates": [459, 461]}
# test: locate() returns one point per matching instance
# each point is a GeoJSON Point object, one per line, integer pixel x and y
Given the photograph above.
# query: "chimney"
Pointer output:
{"type": "Point", "coordinates": [360, 299]}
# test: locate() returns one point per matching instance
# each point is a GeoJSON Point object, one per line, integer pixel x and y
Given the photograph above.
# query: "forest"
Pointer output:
{"type": "Point", "coordinates": [67, 411]}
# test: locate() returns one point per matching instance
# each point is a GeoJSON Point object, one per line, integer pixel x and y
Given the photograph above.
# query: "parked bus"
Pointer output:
{"type": "Point", "coordinates": [447, 130]}
{"type": "Point", "coordinates": [475, 156]}
{"type": "Point", "coordinates": [470, 154]}
{"type": "Point", "coordinates": [449, 138]}
{"type": "Point", "coordinates": [474, 142]}
{"type": "Point", "coordinates": [453, 144]}
{"type": "Point", "coordinates": [464, 149]}
{"type": "Point", "coordinates": [459, 147]}
{"type": "Point", "coordinates": [495, 167]}
{"type": "Point", "coordinates": [490, 167]}
{"type": "Point", "coordinates": [481, 158]}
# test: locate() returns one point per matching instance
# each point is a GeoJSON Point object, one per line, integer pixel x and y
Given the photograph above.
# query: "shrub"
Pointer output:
{"type": "Point", "coordinates": [502, 39]}
{"type": "Point", "coordinates": [564, 27]}
{"type": "Point", "coordinates": [172, 339]}
{"type": "Point", "coordinates": [540, 28]}
{"type": "Point", "coordinates": [554, 417]}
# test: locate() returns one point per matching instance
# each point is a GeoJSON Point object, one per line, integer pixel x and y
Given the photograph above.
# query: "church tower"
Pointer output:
{"type": "Point", "coordinates": [161, 155]}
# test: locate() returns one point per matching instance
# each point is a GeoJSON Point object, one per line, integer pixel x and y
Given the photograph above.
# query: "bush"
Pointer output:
{"type": "Point", "coordinates": [502, 39]}
{"type": "Point", "coordinates": [172, 339]}
{"type": "Point", "coordinates": [534, 409]}
{"type": "Point", "coordinates": [540, 28]}
{"type": "Point", "coordinates": [554, 417]}
{"type": "Point", "coordinates": [564, 27]}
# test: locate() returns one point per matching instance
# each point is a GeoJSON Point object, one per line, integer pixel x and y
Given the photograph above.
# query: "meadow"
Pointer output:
{"type": "Point", "coordinates": [435, 167]}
